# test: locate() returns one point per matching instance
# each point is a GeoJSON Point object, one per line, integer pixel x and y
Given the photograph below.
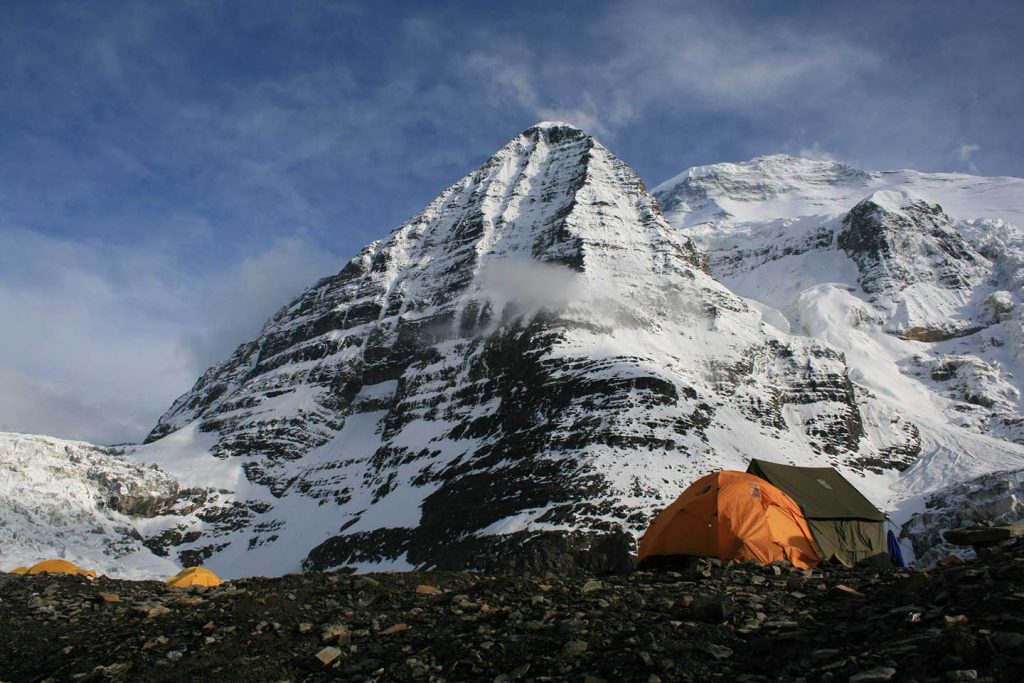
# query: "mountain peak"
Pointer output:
{"type": "Point", "coordinates": [554, 132]}
{"type": "Point", "coordinates": [555, 124]}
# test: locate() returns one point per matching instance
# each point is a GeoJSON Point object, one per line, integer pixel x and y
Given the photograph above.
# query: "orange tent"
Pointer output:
{"type": "Point", "coordinates": [194, 576]}
{"type": "Point", "coordinates": [732, 516]}
{"type": "Point", "coordinates": [58, 567]}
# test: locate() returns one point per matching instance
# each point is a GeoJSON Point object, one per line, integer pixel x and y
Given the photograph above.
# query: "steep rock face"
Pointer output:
{"type": "Point", "coordinates": [897, 242]}
{"type": "Point", "coordinates": [537, 352]}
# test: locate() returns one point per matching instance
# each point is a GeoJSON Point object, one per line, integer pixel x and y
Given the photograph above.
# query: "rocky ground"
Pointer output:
{"type": "Point", "coordinates": [741, 622]}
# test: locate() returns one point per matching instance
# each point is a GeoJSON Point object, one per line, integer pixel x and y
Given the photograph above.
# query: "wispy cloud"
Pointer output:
{"type": "Point", "coordinates": [646, 55]}
{"type": "Point", "coordinates": [965, 154]}
{"type": "Point", "coordinates": [816, 153]}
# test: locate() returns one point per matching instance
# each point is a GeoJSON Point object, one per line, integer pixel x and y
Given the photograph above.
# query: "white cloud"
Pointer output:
{"type": "Point", "coordinates": [965, 154]}
{"type": "Point", "coordinates": [235, 304]}
{"type": "Point", "coordinates": [816, 153]}
{"type": "Point", "coordinates": [653, 57]}
{"type": "Point", "coordinates": [99, 339]}
{"type": "Point", "coordinates": [37, 406]}
{"type": "Point", "coordinates": [531, 285]}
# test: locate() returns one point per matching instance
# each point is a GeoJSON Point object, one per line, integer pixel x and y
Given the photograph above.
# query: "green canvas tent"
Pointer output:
{"type": "Point", "coordinates": [845, 525]}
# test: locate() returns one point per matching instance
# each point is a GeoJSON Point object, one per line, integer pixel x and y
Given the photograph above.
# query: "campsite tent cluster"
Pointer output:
{"type": "Point", "coordinates": [771, 512]}
{"type": "Point", "coordinates": [54, 567]}
{"type": "Point", "coordinates": [193, 576]}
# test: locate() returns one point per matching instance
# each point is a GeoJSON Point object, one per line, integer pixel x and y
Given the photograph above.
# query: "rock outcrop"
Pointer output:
{"type": "Point", "coordinates": [996, 498]}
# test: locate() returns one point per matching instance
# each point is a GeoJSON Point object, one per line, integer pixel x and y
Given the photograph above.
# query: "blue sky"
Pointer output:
{"type": "Point", "coordinates": [172, 172]}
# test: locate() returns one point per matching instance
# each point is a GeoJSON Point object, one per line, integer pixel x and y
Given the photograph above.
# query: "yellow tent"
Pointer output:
{"type": "Point", "coordinates": [194, 576]}
{"type": "Point", "coordinates": [20, 570]}
{"type": "Point", "coordinates": [58, 567]}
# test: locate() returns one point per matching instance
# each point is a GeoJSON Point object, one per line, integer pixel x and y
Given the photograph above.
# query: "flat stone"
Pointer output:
{"type": "Point", "coordinates": [574, 648]}
{"type": "Point", "coordinates": [719, 652]}
{"type": "Point", "coordinates": [591, 586]}
{"type": "Point", "coordinates": [984, 535]}
{"type": "Point", "coordinates": [328, 654]}
{"type": "Point", "coordinates": [954, 619]}
{"type": "Point", "coordinates": [781, 624]}
{"type": "Point", "coordinates": [1008, 641]}
{"type": "Point", "coordinates": [109, 597]}
{"type": "Point", "coordinates": [843, 589]}
{"type": "Point", "coordinates": [917, 581]}
{"type": "Point", "coordinates": [519, 672]}
{"type": "Point", "coordinates": [334, 633]}
{"type": "Point", "coordinates": [190, 600]}
{"type": "Point", "coordinates": [115, 669]}
{"type": "Point", "coordinates": [396, 628]}
{"type": "Point", "coordinates": [714, 608]}
{"type": "Point", "coordinates": [365, 581]}
{"type": "Point", "coordinates": [424, 589]}
{"type": "Point", "coordinates": [962, 675]}
{"type": "Point", "coordinates": [949, 561]}
{"type": "Point", "coordinates": [879, 675]}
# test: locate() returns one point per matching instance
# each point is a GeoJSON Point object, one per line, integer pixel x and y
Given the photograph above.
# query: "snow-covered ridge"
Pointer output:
{"type": "Point", "coordinates": [786, 187]}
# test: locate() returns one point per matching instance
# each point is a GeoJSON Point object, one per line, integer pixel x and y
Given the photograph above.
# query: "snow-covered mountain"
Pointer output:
{"type": "Point", "coordinates": [780, 186]}
{"type": "Point", "coordinates": [540, 359]}
{"type": "Point", "coordinates": [538, 351]}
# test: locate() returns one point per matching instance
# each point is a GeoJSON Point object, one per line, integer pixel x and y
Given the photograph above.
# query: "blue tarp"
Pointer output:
{"type": "Point", "coordinates": [895, 554]}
